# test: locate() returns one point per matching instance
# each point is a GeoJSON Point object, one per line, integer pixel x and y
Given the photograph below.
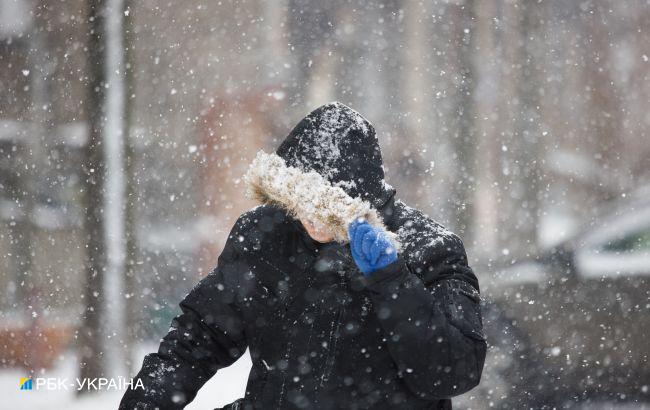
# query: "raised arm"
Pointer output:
{"type": "Point", "coordinates": [433, 328]}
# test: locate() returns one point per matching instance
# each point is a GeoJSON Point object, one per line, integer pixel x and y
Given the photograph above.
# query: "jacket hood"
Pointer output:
{"type": "Point", "coordinates": [341, 145]}
{"type": "Point", "coordinates": [328, 169]}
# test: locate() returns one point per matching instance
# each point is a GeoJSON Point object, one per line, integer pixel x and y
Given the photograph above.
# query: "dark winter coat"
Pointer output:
{"type": "Point", "coordinates": [321, 335]}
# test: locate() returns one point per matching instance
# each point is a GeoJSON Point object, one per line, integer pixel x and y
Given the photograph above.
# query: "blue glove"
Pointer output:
{"type": "Point", "coordinates": [370, 247]}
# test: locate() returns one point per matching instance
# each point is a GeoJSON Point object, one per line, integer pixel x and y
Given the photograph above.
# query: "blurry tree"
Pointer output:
{"type": "Point", "coordinates": [311, 26]}
{"type": "Point", "coordinates": [463, 139]}
{"type": "Point", "coordinates": [527, 141]}
{"type": "Point", "coordinates": [604, 112]}
{"type": "Point", "coordinates": [403, 149]}
{"type": "Point", "coordinates": [92, 361]}
{"type": "Point", "coordinates": [109, 194]}
{"type": "Point", "coordinates": [31, 192]}
{"type": "Point", "coordinates": [131, 200]}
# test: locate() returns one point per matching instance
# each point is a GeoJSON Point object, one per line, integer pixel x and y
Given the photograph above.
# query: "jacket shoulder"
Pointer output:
{"type": "Point", "coordinates": [256, 228]}
{"type": "Point", "coordinates": [420, 234]}
{"type": "Point", "coordinates": [254, 236]}
{"type": "Point", "coordinates": [429, 247]}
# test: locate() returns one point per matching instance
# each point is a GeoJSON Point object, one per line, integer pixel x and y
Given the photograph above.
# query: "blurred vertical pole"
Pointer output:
{"type": "Point", "coordinates": [464, 139]}
{"type": "Point", "coordinates": [40, 116]}
{"type": "Point", "coordinates": [131, 199]}
{"type": "Point", "coordinates": [604, 123]}
{"type": "Point", "coordinates": [102, 329]}
{"type": "Point", "coordinates": [114, 194]}
{"type": "Point", "coordinates": [527, 130]}
{"type": "Point", "coordinates": [489, 127]}
{"type": "Point", "coordinates": [397, 94]}
{"type": "Point", "coordinates": [351, 56]}
{"type": "Point", "coordinates": [275, 15]}
{"type": "Point", "coordinates": [508, 45]}
{"type": "Point", "coordinates": [92, 360]}
{"type": "Point", "coordinates": [417, 95]}
{"type": "Point", "coordinates": [302, 48]}
{"type": "Point", "coordinates": [310, 25]}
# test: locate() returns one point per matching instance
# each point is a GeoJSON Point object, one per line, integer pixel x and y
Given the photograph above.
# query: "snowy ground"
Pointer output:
{"type": "Point", "coordinates": [226, 386]}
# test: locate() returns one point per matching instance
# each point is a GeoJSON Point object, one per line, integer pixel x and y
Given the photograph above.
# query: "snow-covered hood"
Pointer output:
{"type": "Point", "coordinates": [328, 170]}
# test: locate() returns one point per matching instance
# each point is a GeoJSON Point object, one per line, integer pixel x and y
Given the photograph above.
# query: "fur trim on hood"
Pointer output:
{"type": "Point", "coordinates": [307, 194]}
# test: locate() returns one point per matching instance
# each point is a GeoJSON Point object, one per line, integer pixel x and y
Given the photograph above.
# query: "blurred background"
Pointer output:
{"type": "Point", "coordinates": [125, 128]}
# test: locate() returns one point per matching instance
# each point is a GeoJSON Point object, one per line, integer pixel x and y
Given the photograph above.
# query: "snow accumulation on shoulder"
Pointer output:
{"type": "Point", "coordinates": [420, 233]}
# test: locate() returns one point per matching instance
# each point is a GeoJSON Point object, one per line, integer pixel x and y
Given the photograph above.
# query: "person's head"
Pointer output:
{"type": "Point", "coordinates": [317, 231]}
{"type": "Point", "coordinates": [341, 147]}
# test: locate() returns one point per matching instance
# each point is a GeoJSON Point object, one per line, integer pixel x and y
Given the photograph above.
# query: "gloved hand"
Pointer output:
{"type": "Point", "coordinates": [370, 246]}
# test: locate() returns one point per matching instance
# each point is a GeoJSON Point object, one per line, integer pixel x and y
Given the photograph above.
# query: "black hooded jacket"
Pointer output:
{"type": "Point", "coordinates": [321, 335]}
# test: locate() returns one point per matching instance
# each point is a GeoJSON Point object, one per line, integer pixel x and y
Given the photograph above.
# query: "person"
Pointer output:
{"type": "Point", "coordinates": [389, 319]}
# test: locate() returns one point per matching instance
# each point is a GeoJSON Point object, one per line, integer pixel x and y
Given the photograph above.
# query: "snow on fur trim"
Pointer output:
{"type": "Point", "coordinates": [307, 194]}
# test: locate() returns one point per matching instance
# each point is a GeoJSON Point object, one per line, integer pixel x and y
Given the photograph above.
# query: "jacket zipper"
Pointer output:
{"type": "Point", "coordinates": [331, 354]}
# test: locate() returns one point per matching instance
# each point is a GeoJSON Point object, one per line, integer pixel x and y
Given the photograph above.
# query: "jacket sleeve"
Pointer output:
{"type": "Point", "coordinates": [207, 336]}
{"type": "Point", "coordinates": [433, 327]}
